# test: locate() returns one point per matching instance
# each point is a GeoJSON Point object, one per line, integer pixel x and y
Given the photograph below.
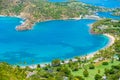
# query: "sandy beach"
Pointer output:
{"type": "Point", "coordinates": [90, 55]}
{"type": "Point", "coordinates": [77, 18]}
{"type": "Point", "coordinates": [110, 43]}
{"type": "Point", "coordinates": [3, 15]}
{"type": "Point", "coordinates": [11, 16]}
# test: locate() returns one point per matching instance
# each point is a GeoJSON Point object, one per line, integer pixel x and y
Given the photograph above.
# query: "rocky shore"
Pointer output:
{"type": "Point", "coordinates": [27, 25]}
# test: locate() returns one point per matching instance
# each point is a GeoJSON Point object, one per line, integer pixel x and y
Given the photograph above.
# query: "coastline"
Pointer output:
{"type": "Point", "coordinates": [90, 55]}
{"type": "Point", "coordinates": [110, 43]}
{"type": "Point", "coordinates": [28, 25]}
{"type": "Point", "coordinates": [12, 16]}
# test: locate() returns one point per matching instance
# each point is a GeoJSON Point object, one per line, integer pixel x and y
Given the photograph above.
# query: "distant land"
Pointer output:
{"type": "Point", "coordinates": [59, 40]}
{"type": "Point", "coordinates": [41, 10]}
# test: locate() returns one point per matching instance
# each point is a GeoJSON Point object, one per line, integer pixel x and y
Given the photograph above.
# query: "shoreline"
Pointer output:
{"type": "Point", "coordinates": [28, 25]}
{"type": "Point", "coordinates": [110, 43]}
{"type": "Point", "coordinates": [17, 16]}
{"type": "Point", "coordinates": [90, 55]}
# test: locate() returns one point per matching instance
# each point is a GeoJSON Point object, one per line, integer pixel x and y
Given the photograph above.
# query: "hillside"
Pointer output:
{"type": "Point", "coordinates": [41, 10]}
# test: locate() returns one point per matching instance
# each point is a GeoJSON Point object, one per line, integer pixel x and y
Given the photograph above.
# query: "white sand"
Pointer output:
{"type": "Point", "coordinates": [3, 15]}
{"type": "Point", "coordinates": [12, 16]}
{"type": "Point", "coordinates": [90, 55]}
{"type": "Point", "coordinates": [76, 18]}
{"type": "Point", "coordinates": [111, 42]}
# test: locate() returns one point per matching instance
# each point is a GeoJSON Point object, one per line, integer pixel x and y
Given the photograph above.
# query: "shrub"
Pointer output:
{"type": "Point", "coordinates": [91, 66]}
{"type": "Point", "coordinates": [85, 73]}
{"type": "Point", "coordinates": [66, 70]}
{"type": "Point", "coordinates": [63, 61]}
{"type": "Point", "coordinates": [111, 71]}
{"type": "Point", "coordinates": [56, 62]}
{"type": "Point", "coordinates": [106, 71]}
{"type": "Point", "coordinates": [75, 67]}
{"type": "Point", "coordinates": [116, 66]}
{"type": "Point", "coordinates": [79, 78]}
{"type": "Point", "coordinates": [38, 66]}
{"type": "Point", "coordinates": [105, 63]}
{"type": "Point", "coordinates": [98, 71]}
{"type": "Point", "coordinates": [98, 77]}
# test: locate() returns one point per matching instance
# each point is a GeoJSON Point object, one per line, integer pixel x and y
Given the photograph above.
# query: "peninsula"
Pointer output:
{"type": "Point", "coordinates": [40, 10]}
{"type": "Point", "coordinates": [21, 52]}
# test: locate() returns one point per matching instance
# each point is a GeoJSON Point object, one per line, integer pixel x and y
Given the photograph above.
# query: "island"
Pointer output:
{"type": "Point", "coordinates": [103, 64]}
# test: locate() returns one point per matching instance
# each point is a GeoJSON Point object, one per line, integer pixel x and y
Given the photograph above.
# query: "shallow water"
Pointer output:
{"type": "Point", "coordinates": [47, 41]}
{"type": "Point", "coordinates": [52, 39]}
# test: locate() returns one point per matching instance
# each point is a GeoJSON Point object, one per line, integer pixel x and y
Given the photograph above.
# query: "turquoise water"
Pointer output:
{"type": "Point", "coordinates": [103, 3]}
{"type": "Point", "coordinates": [107, 15]}
{"type": "Point", "coordinates": [52, 39]}
{"type": "Point", "coordinates": [47, 41]}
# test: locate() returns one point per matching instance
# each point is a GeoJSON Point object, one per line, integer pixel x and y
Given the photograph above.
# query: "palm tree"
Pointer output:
{"type": "Point", "coordinates": [56, 62]}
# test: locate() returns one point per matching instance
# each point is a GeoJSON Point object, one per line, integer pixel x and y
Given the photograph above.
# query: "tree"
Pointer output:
{"type": "Point", "coordinates": [56, 62]}
{"type": "Point", "coordinates": [118, 56]}
{"type": "Point", "coordinates": [66, 70]}
{"type": "Point", "coordinates": [85, 73]}
{"type": "Point", "coordinates": [78, 78]}
{"type": "Point", "coordinates": [117, 48]}
{"type": "Point", "coordinates": [91, 66]}
{"type": "Point", "coordinates": [105, 63]}
{"type": "Point", "coordinates": [98, 70]}
{"type": "Point", "coordinates": [75, 66]}
{"type": "Point", "coordinates": [38, 66]}
{"type": "Point", "coordinates": [98, 77]}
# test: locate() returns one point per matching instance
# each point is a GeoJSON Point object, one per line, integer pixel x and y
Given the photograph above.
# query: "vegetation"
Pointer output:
{"type": "Point", "coordinates": [107, 26]}
{"type": "Point", "coordinates": [106, 58]}
{"type": "Point", "coordinates": [82, 69]}
{"type": "Point", "coordinates": [61, 72]}
{"type": "Point", "coordinates": [98, 77]}
{"type": "Point", "coordinates": [116, 12]}
{"type": "Point", "coordinates": [91, 66]}
{"type": "Point", "coordinates": [105, 63]}
{"type": "Point", "coordinates": [85, 73]}
{"type": "Point", "coordinates": [56, 62]}
{"type": "Point", "coordinates": [42, 10]}
{"type": "Point", "coordinates": [7, 72]}
{"type": "Point", "coordinates": [112, 27]}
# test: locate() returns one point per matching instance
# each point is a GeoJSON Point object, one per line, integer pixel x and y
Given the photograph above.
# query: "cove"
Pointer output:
{"type": "Point", "coordinates": [48, 40]}
{"type": "Point", "coordinates": [101, 3]}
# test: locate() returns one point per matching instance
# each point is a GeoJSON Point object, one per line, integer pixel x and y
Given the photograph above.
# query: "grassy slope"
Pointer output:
{"type": "Point", "coordinates": [98, 66]}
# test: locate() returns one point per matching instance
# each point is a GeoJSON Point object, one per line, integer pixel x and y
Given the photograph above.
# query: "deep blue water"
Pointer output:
{"type": "Point", "coordinates": [103, 3]}
{"type": "Point", "coordinates": [47, 41]}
